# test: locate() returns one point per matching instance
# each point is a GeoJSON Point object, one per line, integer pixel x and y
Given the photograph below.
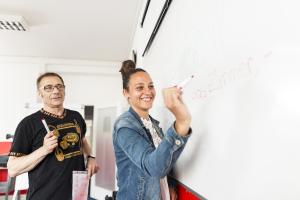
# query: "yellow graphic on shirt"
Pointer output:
{"type": "Point", "coordinates": [55, 132]}
{"type": "Point", "coordinates": [59, 154]}
{"type": "Point", "coordinates": [69, 140]}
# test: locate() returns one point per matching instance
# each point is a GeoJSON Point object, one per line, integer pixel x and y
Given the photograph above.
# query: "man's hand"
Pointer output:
{"type": "Point", "coordinates": [50, 142]}
{"type": "Point", "coordinates": [92, 166]}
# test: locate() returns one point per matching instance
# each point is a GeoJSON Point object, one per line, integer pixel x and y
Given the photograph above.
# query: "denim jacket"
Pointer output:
{"type": "Point", "coordinates": [140, 165]}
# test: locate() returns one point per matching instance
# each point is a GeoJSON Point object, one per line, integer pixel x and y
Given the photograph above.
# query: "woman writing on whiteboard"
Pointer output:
{"type": "Point", "coordinates": [144, 155]}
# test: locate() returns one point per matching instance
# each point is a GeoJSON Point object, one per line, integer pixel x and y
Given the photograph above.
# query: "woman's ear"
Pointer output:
{"type": "Point", "coordinates": [126, 94]}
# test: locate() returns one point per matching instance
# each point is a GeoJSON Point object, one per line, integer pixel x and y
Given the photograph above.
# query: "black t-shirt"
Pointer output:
{"type": "Point", "coordinates": [52, 177]}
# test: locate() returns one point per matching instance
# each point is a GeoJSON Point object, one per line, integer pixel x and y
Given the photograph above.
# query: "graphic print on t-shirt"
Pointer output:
{"type": "Point", "coordinates": [69, 140]}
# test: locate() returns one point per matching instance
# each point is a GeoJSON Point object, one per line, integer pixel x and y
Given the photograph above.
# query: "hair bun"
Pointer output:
{"type": "Point", "coordinates": [127, 66]}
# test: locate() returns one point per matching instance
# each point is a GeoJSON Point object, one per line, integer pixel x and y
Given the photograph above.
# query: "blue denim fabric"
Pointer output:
{"type": "Point", "coordinates": [139, 165]}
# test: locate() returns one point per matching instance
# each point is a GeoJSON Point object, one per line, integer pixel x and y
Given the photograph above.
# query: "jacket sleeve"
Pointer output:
{"type": "Point", "coordinates": [174, 138]}
{"type": "Point", "coordinates": [154, 162]}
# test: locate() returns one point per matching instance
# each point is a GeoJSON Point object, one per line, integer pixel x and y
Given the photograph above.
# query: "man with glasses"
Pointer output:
{"type": "Point", "coordinates": [51, 157]}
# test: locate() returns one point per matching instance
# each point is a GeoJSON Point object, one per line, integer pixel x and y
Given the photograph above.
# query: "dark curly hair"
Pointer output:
{"type": "Point", "coordinates": [128, 68]}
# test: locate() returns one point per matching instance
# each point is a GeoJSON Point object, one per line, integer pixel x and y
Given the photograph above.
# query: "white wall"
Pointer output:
{"type": "Point", "coordinates": [87, 83]}
{"type": "Point", "coordinates": [100, 86]}
{"type": "Point", "coordinates": [18, 87]}
{"type": "Point", "coordinates": [244, 98]}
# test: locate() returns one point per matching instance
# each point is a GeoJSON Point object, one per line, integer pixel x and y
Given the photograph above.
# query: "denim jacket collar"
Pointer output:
{"type": "Point", "coordinates": [139, 119]}
{"type": "Point", "coordinates": [154, 121]}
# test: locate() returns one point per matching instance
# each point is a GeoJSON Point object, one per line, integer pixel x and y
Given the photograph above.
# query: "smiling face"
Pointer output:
{"type": "Point", "coordinates": [52, 91]}
{"type": "Point", "coordinates": [140, 93]}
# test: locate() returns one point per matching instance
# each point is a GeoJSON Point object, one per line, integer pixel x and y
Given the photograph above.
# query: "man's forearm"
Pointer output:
{"type": "Point", "coordinates": [87, 150]}
{"type": "Point", "coordinates": [19, 165]}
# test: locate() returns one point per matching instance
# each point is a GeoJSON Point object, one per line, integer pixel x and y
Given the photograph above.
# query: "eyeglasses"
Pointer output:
{"type": "Point", "coordinates": [50, 88]}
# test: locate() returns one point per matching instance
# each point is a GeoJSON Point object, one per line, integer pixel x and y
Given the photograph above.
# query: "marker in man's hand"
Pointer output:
{"type": "Point", "coordinates": [45, 125]}
{"type": "Point", "coordinates": [185, 82]}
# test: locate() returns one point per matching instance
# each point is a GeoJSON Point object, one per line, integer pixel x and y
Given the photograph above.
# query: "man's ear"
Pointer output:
{"type": "Point", "coordinates": [39, 94]}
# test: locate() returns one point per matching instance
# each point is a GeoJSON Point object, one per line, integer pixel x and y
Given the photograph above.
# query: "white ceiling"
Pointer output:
{"type": "Point", "coordinates": [99, 30]}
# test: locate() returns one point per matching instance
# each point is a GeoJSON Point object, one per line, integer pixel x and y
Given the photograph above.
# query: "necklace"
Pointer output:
{"type": "Point", "coordinates": [54, 115]}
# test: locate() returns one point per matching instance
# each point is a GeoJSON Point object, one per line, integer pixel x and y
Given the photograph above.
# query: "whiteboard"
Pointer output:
{"type": "Point", "coordinates": [244, 99]}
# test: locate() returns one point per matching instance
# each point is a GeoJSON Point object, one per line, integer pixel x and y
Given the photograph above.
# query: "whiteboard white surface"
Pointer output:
{"type": "Point", "coordinates": [244, 99]}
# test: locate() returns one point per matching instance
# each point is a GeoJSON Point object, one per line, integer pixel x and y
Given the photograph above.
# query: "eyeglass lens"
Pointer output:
{"type": "Point", "coordinates": [50, 88]}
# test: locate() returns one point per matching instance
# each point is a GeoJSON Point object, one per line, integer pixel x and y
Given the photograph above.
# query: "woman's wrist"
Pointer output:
{"type": "Point", "coordinates": [182, 128]}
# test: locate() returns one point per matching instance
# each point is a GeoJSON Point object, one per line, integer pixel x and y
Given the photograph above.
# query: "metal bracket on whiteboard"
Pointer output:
{"type": "Point", "coordinates": [145, 13]}
{"type": "Point", "coordinates": [157, 25]}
